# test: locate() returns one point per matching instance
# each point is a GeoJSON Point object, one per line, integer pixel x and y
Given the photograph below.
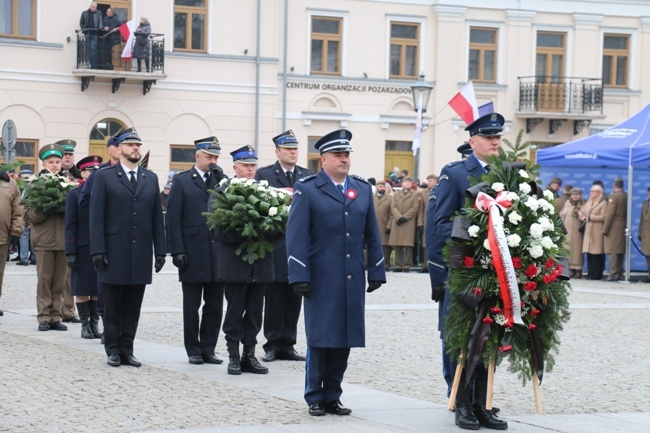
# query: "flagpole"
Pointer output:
{"type": "Point", "coordinates": [417, 138]}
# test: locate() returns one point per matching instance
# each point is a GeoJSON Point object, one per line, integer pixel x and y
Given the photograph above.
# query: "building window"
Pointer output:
{"type": "Point", "coordinates": [313, 155]}
{"type": "Point", "coordinates": [483, 54]}
{"type": "Point", "coordinates": [190, 21]}
{"type": "Point", "coordinates": [18, 18]}
{"type": "Point", "coordinates": [616, 55]}
{"type": "Point", "coordinates": [326, 41]}
{"type": "Point", "coordinates": [404, 48]}
{"type": "Point", "coordinates": [27, 152]}
{"type": "Point", "coordinates": [182, 157]}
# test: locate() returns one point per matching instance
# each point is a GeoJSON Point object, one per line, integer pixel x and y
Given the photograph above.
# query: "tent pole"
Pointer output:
{"type": "Point", "coordinates": [628, 224]}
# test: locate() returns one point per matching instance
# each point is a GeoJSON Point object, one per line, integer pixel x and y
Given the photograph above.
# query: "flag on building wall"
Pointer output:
{"type": "Point", "coordinates": [464, 103]}
{"type": "Point", "coordinates": [128, 33]}
{"type": "Point", "coordinates": [486, 109]}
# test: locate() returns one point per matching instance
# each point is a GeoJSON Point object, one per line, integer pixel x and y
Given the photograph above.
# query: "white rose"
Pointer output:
{"type": "Point", "coordinates": [249, 182]}
{"type": "Point", "coordinates": [524, 188]}
{"type": "Point", "coordinates": [546, 223]}
{"type": "Point", "coordinates": [547, 243]}
{"type": "Point", "coordinates": [513, 240]}
{"type": "Point", "coordinates": [514, 218]}
{"type": "Point", "coordinates": [512, 196]}
{"type": "Point", "coordinates": [473, 231]}
{"type": "Point", "coordinates": [497, 186]}
{"type": "Point", "coordinates": [273, 194]}
{"type": "Point", "coordinates": [548, 195]}
{"type": "Point", "coordinates": [536, 251]}
{"type": "Point", "coordinates": [531, 203]}
{"type": "Point", "coordinates": [264, 182]}
{"type": "Point", "coordinates": [273, 211]}
{"type": "Point", "coordinates": [486, 244]}
{"type": "Point", "coordinates": [522, 173]}
{"type": "Point", "coordinates": [536, 231]}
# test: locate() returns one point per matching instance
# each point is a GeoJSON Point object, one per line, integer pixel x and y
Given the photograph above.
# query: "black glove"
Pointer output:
{"type": "Point", "coordinates": [100, 261]}
{"type": "Point", "coordinates": [302, 289]}
{"type": "Point", "coordinates": [437, 293]}
{"type": "Point", "coordinates": [72, 261]}
{"type": "Point", "coordinates": [401, 220]}
{"type": "Point", "coordinates": [373, 285]}
{"type": "Point", "coordinates": [388, 231]}
{"type": "Point", "coordinates": [180, 261]}
{"type": "Point", "coordinates": [160, 262]}
{"type": "Point", "coordinates": [217, 172]}
{"type": "Point", "coordinates": [4, 176]}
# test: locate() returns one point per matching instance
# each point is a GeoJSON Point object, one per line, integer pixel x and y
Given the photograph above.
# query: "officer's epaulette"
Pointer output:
{"type": "Point", "coordinates": [183, 171]}
{"type": "Point", "coordinates": [107, 167]}
{"type": "Point", "coordinates": [452, 164]}
{"type": "Point", "coordinates": [357, 177]}
{"type": "Point", "coordinates": [265, 167]}
{"type": "Point", "coordinates": [306, 178]}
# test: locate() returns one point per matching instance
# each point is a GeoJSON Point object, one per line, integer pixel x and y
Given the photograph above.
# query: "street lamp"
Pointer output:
{"type": "Point", "coordinates": [421, 91]}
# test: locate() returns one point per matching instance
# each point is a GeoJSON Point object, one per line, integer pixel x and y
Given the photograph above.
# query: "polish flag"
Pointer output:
{"type": "Point", "coordinates": [464, 103]}
{"type": "Point", "coordinates": [128, 33]}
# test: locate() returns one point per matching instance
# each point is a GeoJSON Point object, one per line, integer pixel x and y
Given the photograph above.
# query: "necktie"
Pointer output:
{"type": "Point", "coordinates": [134, 182]}
{"type": "Point", "coordinates": [206, 176]}
{"type": "Point", "coordinates": [340, 187]}
{"type": "Point", "coordinates": [487, 168]}
{"type": "Point", "coordinates": [290, 177]}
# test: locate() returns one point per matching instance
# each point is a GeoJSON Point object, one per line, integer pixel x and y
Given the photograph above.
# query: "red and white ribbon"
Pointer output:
{"type": "Point", "coordinates": [501, 259]}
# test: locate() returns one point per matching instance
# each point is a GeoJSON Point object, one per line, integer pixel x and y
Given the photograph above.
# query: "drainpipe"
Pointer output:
{"type": "Point", "coordinates": [284, 65]}
{"type": "Point", "coordinates": [257, 75]}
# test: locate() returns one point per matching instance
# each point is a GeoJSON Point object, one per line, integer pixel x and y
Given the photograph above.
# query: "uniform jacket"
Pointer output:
{"type": "Point", "coordinates": [644, 228]}
{"type": "Point", "coordinates": [274, 175]}
{"type": "Point", "coordinates": [46, 230]}
{"type": "Point", "coordinates": [126, 225]}
{"type": "Point", "coordinates": [11, 215]}
{"type": "Point", "coordinates": [574, 238]}
{"type": "Point", "coordinates": [187, 228]}
{"type": "Point", "coordinates": [615, 223]}
{"type": "Point", "coordinates": [406, 203]}
{"type": "Point", "coordinates": [384, 216]}
{"type": "Point", "coordinates": [326, 233]}
{"type": "Point", "coordinates": [593, 242]}
{"type": "Point", "coordinates": [77, 223]}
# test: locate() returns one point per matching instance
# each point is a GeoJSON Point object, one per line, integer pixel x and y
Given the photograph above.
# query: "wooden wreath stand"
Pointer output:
{"type": "Point", "coordinates": [490, 386]}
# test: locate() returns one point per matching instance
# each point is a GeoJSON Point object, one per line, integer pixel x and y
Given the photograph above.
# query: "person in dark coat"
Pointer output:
{"type": "Point", "coordinates": [282, 304]}
{"type": "Point", "coordinates": [141, 44]}
{"type": "Point", "coordinates": [447, 198]}
{"type": "Point", "coordinates": [244, 283]}
{"type": "Point", "coordinates": [77, 252]}
{"type": "Point", "coordinates": [91, 22]}
{"type": "Point", "coordinates": [332, 218]}
{"type": "Point", "coordinates": [126, 230]}
{"type": "Point", "coordinates": [194, 253]}
{"type": "Point", "coordinates": [111, 23]}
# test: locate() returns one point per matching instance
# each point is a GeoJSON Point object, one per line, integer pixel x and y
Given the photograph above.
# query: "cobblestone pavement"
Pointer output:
{"type": "Point", "coordinates": [57, 382]}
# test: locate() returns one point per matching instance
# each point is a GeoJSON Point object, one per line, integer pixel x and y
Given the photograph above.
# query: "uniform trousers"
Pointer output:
{"type": "Point", "coordinates": [595, 266]}
{"type": "Point", "coordinates": [615, 266]}
{"type": "Point", "coordinates": [386, 249]}
{"type": "Point", "coordinates": [200, 334]}
{"type": "Point", "coordinates": [324, 373]}
{"type": "Point", "coordinates": [122, 305]}
{"type": "Point", "coordinates": [243, 319]}
{"type": "Point", "coordinates": [281, 313]}
{"type": "Point", "coordinates": [68, 310]}
{"type": "Point", "coordinates": [4, 252]}
{"type": "Point", "coordinates": [51, 271]}
{"type": "Point", "coordinates": [403, 257]}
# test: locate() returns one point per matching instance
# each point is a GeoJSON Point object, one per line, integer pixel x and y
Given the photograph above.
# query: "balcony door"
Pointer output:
{"type": "Point", "coordinates": [549, 70]}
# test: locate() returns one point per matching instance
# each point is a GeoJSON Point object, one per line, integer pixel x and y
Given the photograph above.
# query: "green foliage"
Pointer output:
{"type": "Point", "coordinates": [46, 192]}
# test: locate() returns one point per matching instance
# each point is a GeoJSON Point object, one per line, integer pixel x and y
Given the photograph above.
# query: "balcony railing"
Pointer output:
{"type": "Point", "coordinates": [102, 50]}
{"type": "Point", "coordinates": [572, 95]}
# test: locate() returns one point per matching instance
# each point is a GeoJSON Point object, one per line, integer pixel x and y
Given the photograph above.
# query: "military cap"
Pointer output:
{"type": "Point", "coordinates": [464, 149]}
{"type": "Point", "coordinates": [111, 142]}
{"type": "Point", "coordinates": [335, 141]}
{"type": "Point", "coordinates": [67, 145]}
{"type": "Point", "coordinates": [490, 125]}
{"type": "Point", "coordinates": [245, 155]}
{"type": "Point", "coordinates": [127, 136]}
{"type": "Point", "coordinates": [209, 145]}
{"type": "Point", "coordinates": [91, 161]}
{"type": "Point", "coordinates": [286, 139]}
{"type": "Point", "coordinates": [50, 150]}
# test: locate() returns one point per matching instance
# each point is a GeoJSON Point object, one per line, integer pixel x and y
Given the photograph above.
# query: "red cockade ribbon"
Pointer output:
{"type": "Point", "coordinates": [501, 258]}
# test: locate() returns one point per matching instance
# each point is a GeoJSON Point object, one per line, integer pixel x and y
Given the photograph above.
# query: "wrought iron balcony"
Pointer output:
{"type": "Point", "coordinates": [568, 95]}
{"type": "Point", "coordinates": [99, 56]}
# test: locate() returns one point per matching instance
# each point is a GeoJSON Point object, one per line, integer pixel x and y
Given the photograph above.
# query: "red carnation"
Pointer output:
{"type": "Point", "coordinates": [547, 279]}
{"type": "Point", "coordinates": [488, 320]}
{"type": "Point", "coordinates": [549, 263]}
{"type": "Point", "coordinates": [532, 326]}
{"type": "Point", "coordinates": [516, 262]}
{"type": "Point", "coordinates": [506, 348]}
{"type": "Point", "coordinates": [531, 271]}
{"type": "Point", "coordinates": [477, 291]}
{"type": "Point", "coordinates": [534, 312]}
{"type": "Point", "coordinates": [530, 286]}
{"type": "Point", "coordinates": [496, 310]}
{"type": "Point", "coordinates": [469, 262]}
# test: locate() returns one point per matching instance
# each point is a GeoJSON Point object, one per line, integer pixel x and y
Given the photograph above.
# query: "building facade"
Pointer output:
{"type": "Point", "coordinates": [247, 70]}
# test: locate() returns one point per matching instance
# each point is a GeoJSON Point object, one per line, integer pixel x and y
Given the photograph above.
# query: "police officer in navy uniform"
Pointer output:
{"type": "Point", "coordinates": [449, 197]}
{"type": "Point", "coordinates": [244, 283]}
{"type": "Point", "coordinates": [332, 217]}
{"type": "Point", "coordinates": [126, 230]}
{"type": "Point", "coordinates": [194, 252]}
{"type": "Point", "coordinates": [282, 304]}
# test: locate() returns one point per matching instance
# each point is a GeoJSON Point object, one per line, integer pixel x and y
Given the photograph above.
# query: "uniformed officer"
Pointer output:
{"type": "Point", "coordinates": [126, 230]}
{"type": "Point", "coordinates": [244, 283]}
{"type": "Point", "coordinates": [195, 253]}
{"type": "Point", "coordinates": [332, 215]}
{"type": "Point", "coordinates": [282, 305]}
{"type": "Point", "coordinates": [485, 140]}
{"type": "Point", "coordinates": [614, 230]}
{"type": "Point", "coordinates": [77, 252]}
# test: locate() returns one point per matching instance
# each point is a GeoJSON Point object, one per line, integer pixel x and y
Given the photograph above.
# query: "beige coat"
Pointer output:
{"type": "Point", "coordinates": [422, 211]}
{"type": "Point", "coordinates": [11, 217]}
{"type": "Point", "coordinates": [384, 216]}
{"type": "Point", "coordinates": [615, 223]}
{"type": "Point", "coordinates": [47, 231]}
{"type": "Point", "coordinates": [644, 228]}
{"type": "Point", "coordinates": [574, 238]}
{"type": "Point", "coordinates": [593, 242]}
{"type": "Point", "coordinates": [406, 204]}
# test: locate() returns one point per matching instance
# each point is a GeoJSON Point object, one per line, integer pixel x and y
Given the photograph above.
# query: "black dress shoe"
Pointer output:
{"type": "Point", "coordinates": [44, 326]}
{"type": "Point", "coordinates": [489, 419]}
{"type": "Point", "coordinates": [74, 319]}
{"type": "Point", "coordinates": [2, 313]}
{"type": "Point", "coordinates": [234, 365]}
{"type": "Point", "coordinates": [23, 263]}
{"type": "Point", "coordinates": [465, 418]}
{"type": "Point", "coordinates": [316, 409]}
{"type": "Point", "coordinates": [270, 356]}
{"type": "Point", "coordinates": [336, 408]}
{"type": "Point", "coordinates": [196, 359]}
{"type": "Point", "coordinates": [292, 355]}
{"type": "Point", "coordinates": [58, 326]}
{"type": "Point", "coordinates": [32, 262]}
{"type": "Point", "coordinates": [114, 360]}
{"type": "Point", "coordinates": [131, 360]}
{"type": "Point", "coordinates": [212, 359]}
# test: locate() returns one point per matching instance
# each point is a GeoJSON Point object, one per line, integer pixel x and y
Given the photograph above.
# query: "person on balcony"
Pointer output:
{"type": "Point", "coordinates": [111, 23]}
{"type": "Point", "coordinates": [91, 22]}
{"type": "Point", "coordinates": [141, 46]}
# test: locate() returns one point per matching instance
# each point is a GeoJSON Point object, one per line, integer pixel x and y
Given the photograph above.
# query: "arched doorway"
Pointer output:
{"type": "Point", "coordinates": [100, 134]}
